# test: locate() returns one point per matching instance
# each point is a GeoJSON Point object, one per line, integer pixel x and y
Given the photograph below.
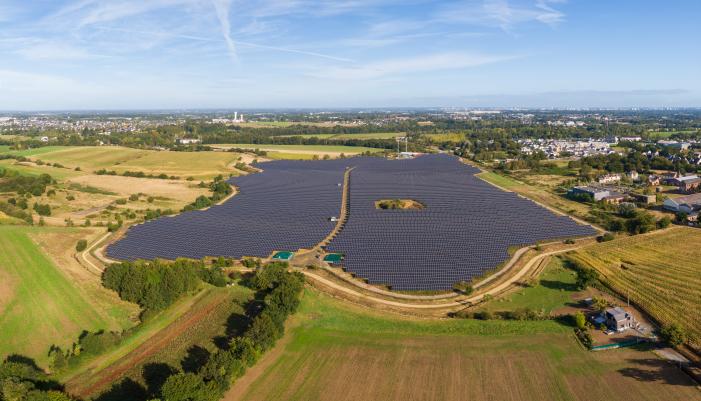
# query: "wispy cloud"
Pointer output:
{"type": "Point", "coordinates": [404, 66]}
{"type": "Point", "coordinates": [504, 14]}
{"type": "Point", "coordinates": [222, 7]}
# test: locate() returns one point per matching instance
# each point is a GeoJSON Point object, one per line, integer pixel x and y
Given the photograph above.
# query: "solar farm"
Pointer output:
{"type": "Point", "coordinates": [465, 229]}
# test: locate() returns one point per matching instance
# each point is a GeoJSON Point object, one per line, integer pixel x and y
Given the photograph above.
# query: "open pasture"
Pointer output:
{"type": "Point", "coordinates": [199, 165]}
{"type": "Point", "coordinates": [341, 352]}
{"type": "Point", "coordinates": [659, 271]}
{"type": "Point", "coordinates": [47, 300]}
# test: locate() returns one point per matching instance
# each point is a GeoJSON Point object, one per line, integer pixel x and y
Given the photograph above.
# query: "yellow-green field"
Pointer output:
{"type": "Point", "coordinates": [200, 165]}
{"type": "Point", "coordinates": [371, 135]}
{"type": "Point", "coordinates": [536, 193]}
{"type": "Point", "coordinates": [339, 352]}
{"type": "Point", "coordinates": [300, 151]}
{"type": "Point", "coordinates": [47, 300]}
{"type": "Point", "coordinates": [661, 272]}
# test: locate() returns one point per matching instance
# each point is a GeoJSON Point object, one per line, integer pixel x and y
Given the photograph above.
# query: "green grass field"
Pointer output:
{"type": "Point", "coordinates": [37, 151]}
{"type": "Point", "coordinates": [31, 170]}
{"type": "Point", "coordinates": [41, 305]}
{"type": "Point", "coordinates": [555, 289]}
{"type": "Point", "coordinates": [341, 352]}
{"type": "Point", "coordinates": [660, 272]}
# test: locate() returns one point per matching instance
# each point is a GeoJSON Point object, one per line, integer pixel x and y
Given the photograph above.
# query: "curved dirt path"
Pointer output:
{"type": "Point", "coordinates": [453, 304]}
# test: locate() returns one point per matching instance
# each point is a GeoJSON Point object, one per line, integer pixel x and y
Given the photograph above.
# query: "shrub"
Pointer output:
{"type": "Point", "coordinates": [605, 238]}
{"type": "Point", "coordinates": [81, 245]}
{"type": "Point", "coordinates": [674, 335]}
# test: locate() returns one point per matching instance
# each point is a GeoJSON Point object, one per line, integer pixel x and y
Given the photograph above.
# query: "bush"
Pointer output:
{"type": "Point", "coordinates": [605, 238]}
{"type": "Point", "coordinates": [81, 245]}
{"type": "Point", "coordinates": [580, 320]}
{"type": "Point", "coordinates": [584, 336]}
{"type": "Point", "coordinates": [42, 210]}
{"type": "Point", "coordinates": [674, 335]}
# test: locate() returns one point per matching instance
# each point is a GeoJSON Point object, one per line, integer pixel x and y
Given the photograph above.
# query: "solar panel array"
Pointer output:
{"type": "Point", "coordinates": [465, 229]}
{"type": "Point", "coordinates": [286, 207]}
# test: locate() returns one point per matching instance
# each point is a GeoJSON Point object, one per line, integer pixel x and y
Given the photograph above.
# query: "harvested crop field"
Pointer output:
{"type": "Point", "coordinates": [340, 352]}
{"type": "Point", "coordinates": [179, 190]}
{"type": "Point", "coordinates": [660, 272]}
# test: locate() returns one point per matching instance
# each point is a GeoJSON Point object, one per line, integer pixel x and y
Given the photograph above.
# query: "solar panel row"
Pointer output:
{"type": "Point", "coordinates": [465, 229]}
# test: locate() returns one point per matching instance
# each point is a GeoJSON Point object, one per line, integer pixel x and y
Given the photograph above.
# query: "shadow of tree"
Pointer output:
{"type": "Point", "coordinates": [236, 324]}
{"type": "Point", "coordinates": [656, 370]}
{"type": "Point", "coordinates": [126, 389]}
{"type": "Point", "coordinates": [196, 358]}
{"type": "Point", "coordinates": [558, 285]}
{"type": "Point", "coordinates": [155, 374]}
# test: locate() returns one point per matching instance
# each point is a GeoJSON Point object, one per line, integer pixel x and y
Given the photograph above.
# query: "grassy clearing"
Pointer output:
{"type": "Point", "coordinates": [341, 352]}
{"type": "Point", "coordinates": [537, 194]}
{"type": "Point", "coordinates": [659, 271]}
{"type": "Point", "coordinates": [42, 304]}
{"type": "Point", "coordinates": [555, 289]}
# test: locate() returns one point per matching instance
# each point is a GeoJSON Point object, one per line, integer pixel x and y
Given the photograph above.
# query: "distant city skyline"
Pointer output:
{"type": "Point", "coordinates": [226, 54]}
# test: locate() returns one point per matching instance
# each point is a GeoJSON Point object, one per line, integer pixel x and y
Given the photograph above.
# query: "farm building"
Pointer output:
{"type": "Point", "coordinates": [685, 204]}
{"type": "Point", "coordinates": [596, 193]}
{"type": "Point", "coordinates": [614, 198]}
{"type": "Point", "coordinates": [678, 180]}
{"type": "Point", "coordinates": [690, 185]}
{"type": "Point", "coordinates": [618, 319]}
{"type": "Point", "coordinates": [645, 199]}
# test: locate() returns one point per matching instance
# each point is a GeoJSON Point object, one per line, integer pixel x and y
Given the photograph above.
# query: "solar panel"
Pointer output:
{"type": "Point", "coordinates": [465, 229]}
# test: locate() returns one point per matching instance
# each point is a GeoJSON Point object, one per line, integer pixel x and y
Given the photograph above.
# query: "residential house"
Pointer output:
{"type": "Point", "coordinates": [633, 175]}
{"type": "Point", "coordinates": [618, 319]}
{"type": "Point", "coordinates": [189, 141]}
{"type": "Point", "coordinates": [609, 179]}
{"type": "Point", "coordinates": [653, 180]}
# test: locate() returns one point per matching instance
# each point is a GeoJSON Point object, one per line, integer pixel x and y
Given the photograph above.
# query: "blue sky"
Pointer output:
{"type": "Point", "coordinates": [150, 54]}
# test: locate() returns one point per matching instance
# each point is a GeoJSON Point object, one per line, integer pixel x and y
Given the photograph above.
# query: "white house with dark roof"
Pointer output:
{"type": "Point", "coordinates": [618, 319]}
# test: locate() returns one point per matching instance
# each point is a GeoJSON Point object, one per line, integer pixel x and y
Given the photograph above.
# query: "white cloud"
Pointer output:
{"type": "Point", "coordinates": [396, 67]}
{"type": "Point", "coordinates": [504, 14]}
{"type": "Point", "coordinates": [222, 7]}
{"type": "Point", "coordinates": [52, 51]}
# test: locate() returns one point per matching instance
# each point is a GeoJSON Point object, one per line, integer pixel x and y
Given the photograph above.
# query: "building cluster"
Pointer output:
{"type": "Point", "coordinates": [554, 148]}
{"type": "Point", "coordinates": [238, 118]}
{"type": "Point", "coordinates": [62, 123]}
